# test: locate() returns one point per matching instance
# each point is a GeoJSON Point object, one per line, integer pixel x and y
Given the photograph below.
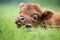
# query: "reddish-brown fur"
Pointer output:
{"type": "Point", "coordinates": [30, 9]}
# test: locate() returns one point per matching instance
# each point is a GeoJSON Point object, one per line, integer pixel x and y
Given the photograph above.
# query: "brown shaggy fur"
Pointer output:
{"type": "Point", "coordinates": [35, 15]}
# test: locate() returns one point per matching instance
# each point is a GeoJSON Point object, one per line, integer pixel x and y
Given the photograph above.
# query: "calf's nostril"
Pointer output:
{"type": "Point", "coordinates": [22, 18]}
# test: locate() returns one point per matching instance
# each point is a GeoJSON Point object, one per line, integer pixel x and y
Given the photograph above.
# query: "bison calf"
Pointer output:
{"type": "Point", "coordinates": [32, 14]}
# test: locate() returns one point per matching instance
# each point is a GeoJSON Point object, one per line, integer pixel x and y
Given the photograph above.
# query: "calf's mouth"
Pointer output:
{"type": "Point", "coordinates": [21, 24]}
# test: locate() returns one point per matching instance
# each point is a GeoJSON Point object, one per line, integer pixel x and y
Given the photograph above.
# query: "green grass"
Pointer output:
{"type": "Point", "coordinates": [9, 31]}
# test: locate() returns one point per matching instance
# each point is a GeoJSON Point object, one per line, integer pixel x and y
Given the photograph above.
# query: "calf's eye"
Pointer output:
{"type": "Point", "coordinates": [35, 17]}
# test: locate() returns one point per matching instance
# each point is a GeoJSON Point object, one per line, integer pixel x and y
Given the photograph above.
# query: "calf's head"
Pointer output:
{"type": "Point", "coordinates": [31, 14]}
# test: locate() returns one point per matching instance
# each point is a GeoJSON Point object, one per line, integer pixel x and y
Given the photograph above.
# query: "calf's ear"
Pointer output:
{"type": "Point", "coordinates": [46, 15]}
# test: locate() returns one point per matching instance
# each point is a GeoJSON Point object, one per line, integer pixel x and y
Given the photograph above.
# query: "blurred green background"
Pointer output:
{"type": "Point", "coordinates": [8, 13]}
